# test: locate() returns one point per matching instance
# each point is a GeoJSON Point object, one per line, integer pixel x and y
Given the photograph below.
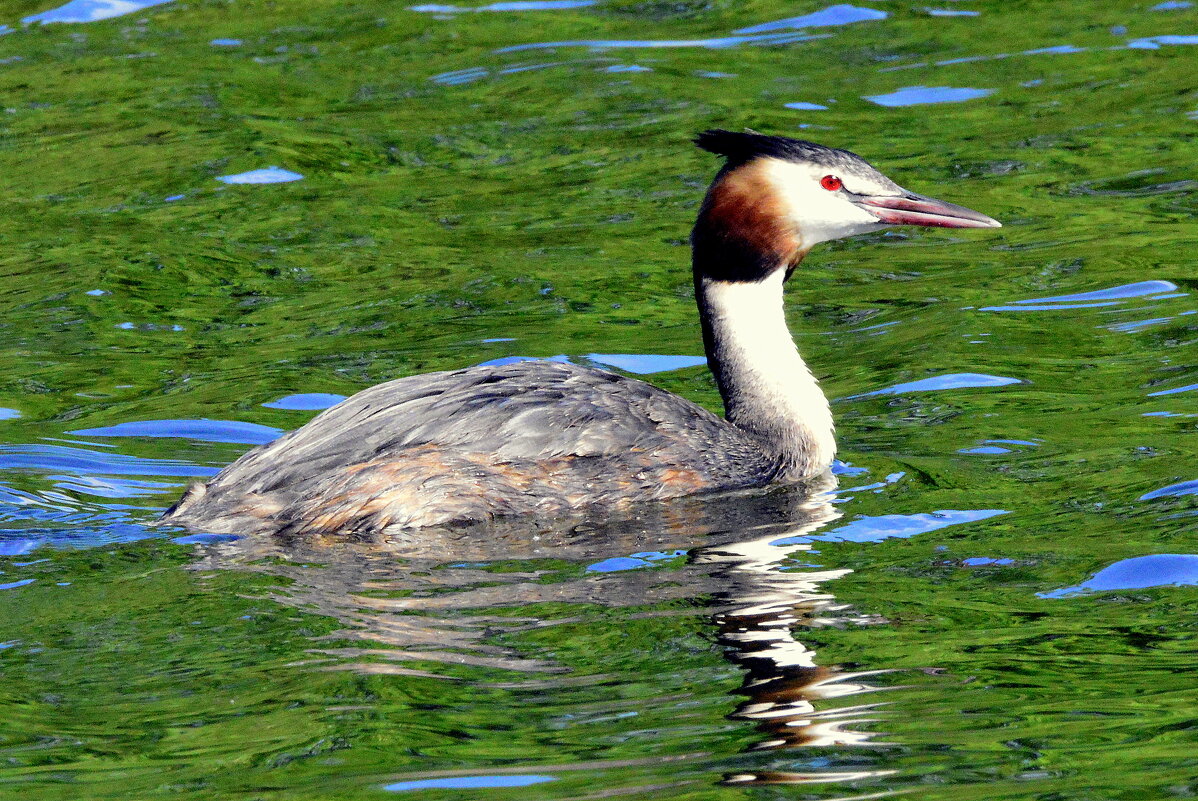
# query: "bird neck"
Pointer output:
{"type": "Point", "coordinates": [744, 246]}
{"type": "Point", "coordinates": [766, 386]}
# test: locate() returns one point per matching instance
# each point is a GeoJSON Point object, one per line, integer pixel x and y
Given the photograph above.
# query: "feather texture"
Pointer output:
{"type": "Point", "coordinates": [473, 444]}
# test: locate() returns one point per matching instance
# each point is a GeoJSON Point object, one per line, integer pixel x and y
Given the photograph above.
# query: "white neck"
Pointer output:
{"type": "Point", "coordinates": [765, 383]}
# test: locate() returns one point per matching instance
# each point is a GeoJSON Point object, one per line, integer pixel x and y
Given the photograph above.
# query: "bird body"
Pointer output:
{"type": "Point", "coordinates": [542, 437]}
{"type": "Point", "coordinates": [547, 438]}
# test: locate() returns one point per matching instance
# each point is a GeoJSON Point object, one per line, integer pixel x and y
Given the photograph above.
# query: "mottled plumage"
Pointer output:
{"type": "Point", "coordinates": [530, 437]}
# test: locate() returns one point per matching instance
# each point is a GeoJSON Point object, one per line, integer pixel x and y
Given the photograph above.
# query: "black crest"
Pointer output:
{"type": "Point", "coordinates": [739, 148]}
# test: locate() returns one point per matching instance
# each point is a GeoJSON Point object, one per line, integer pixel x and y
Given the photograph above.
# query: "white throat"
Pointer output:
{"type": "Point", "coordinates": [767, 387]}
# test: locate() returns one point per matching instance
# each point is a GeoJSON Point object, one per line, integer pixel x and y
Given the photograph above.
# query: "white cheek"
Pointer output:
{"type": "Point", "coordinates": [820, 215]}
{"type": "Point", "coordinates": [849, 220]}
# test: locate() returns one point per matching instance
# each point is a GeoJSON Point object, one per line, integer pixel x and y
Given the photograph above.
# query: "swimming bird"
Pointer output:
{"type": "Point", "coordinates": [547, 438]}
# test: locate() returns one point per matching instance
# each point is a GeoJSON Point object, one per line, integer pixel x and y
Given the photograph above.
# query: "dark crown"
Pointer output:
{"type": "Point", "coordinates": [739, 148]}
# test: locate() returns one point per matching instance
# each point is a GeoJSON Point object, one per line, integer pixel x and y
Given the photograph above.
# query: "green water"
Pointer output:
{"type": "Point", "coordinates": [462, 201]}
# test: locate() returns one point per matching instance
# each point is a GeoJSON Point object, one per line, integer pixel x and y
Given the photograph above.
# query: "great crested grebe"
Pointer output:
{"type": "Point", "coordinates": [544, 437]}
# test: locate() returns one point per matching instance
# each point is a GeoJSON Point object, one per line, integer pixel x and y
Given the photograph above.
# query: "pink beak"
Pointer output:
{"type": "Point", "coordinates": [913, 209]}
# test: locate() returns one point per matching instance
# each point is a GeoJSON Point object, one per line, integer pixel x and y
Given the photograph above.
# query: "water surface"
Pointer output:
{"type": "Point", "coordinates": [996, 600]}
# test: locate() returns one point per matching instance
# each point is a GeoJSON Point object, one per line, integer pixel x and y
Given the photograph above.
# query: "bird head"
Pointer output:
{"type": "Point", "coordinates": [779, 197]}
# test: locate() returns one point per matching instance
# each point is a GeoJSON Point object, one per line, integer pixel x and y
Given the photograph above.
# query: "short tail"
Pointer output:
{"type": "Point", "coordinates": [193, 494]}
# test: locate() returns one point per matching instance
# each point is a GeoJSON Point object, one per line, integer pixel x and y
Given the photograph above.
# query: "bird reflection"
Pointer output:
{"type": "Point", "coordinates": [763, 604]}
{"type": "Point", "coordinates": [410, 602]}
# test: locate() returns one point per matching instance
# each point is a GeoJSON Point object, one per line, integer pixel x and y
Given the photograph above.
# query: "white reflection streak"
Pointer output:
{"type": "Point", "coordinates": [784, 683]}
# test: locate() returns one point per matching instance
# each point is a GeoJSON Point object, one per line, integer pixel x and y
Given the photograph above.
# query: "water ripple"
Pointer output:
{"type": "Point", "coordinates": [458, 77]}
{"type": "Point", "coordinates": [1174, 391]}
{"type": "Point", "coordinates": [306, 401]}
{"type": "Point", "coordinates": [939, 382]}
{"type": "Point", "coordinates": [1138, 573]}
{"type": "Point", "coordinates": [111, 486]}
{"type": "Point", "coordinates": [12, 585]}
{"type": "Point", "coordinates": [469, 782]}
{"type": "Point", "coordinates": [714, 43]}
{"type": "Point", "coordinates": [638, 363]}
{"type": "Point", "coordinates": [646, 363]}
{"type": "Point", "coordinates": [203, 430]}
{"type": "Point", "coordinates": [91, 10]}
{"type": "Point", "coordinates": [1136, 290]}
{"type": "Point", "coordinates": [1173, 490]}
{"type": "Point", "coordinates": [923, 95]}
{"type": "Point", "coordinates": [1110, 296]}
{"type": "Point", "coordinates": [78, 460]}
{"type": "Point", "coordinates": [1155, 42]}
{"type": "Point", "coordinates": [1064, 49]}
{"type": "Point", "coordinates": [883, 527]}
{"type": "Point", "coordinates": [1055, 50]}
{"type": "Point", "coordinates": [841, 14]}
{"type": "Point", "coordinates": [515, 5]}
{"type": "Point", "coordinates": [265, 175]}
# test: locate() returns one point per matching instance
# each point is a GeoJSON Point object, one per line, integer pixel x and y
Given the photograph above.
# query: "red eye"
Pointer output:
{"type": "Point", "coordinates": [830, 182]}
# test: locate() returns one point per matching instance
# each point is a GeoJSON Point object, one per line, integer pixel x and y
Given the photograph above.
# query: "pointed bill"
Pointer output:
{"type": "Point", "coordinates": [912, 209]}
